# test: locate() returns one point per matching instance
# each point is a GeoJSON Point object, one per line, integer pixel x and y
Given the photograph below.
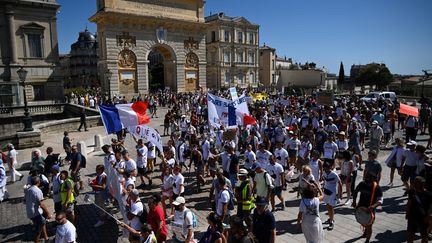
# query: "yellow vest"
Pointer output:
{"type": "Point", "coordinates": [247, 202]}
{"type": "Point", "coordinates": [64, 192]}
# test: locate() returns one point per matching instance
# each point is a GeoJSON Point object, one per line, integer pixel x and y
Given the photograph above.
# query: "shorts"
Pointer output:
{"type": "Point", "coordinates": [38, 223]}
{"type": "Point", "coordinates": [57, 206]}
{"type": "Point", "coordinates": [330, 199]}
{"type": "Point", "coordinates": [142, 171]}
{"type": "Point", "coordinates": [292, 153]}
{"type": "Point", "coordinates": [277, 191]}
{"type": "Point", "coordinates": [168, 193]}
{"type": "Point", "coordinates": [345, 179]}
{"type": "Point", "coordinates": [409, 173]}
{"type": "Point", "coordinates": [200, 169]}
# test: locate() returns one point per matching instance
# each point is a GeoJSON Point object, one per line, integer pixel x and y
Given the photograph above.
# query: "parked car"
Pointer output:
{"type": "Point", "coordinates": [374, 96]}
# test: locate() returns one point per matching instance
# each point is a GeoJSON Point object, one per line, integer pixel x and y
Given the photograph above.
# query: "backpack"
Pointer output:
{"type": "Point", "coordinates": [231, 201]}
{"type": "Point", "coordinates": [271, 180]}
{"type": "Point", "coordinates": [194, 218]}
{"type": "Point", "coordinates": [83, 162]}
{"type": "Point", "coordinates": [143, 216]}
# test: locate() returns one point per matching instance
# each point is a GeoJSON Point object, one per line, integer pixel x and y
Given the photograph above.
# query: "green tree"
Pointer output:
{"type": "Point", "coordinates": [341, 78]}
{"type": "Point", "coordinates": [374, 74]}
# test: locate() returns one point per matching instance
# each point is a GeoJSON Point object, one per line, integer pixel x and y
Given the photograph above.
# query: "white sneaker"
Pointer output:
{"type": "Point", "coordinates": [99, 223]}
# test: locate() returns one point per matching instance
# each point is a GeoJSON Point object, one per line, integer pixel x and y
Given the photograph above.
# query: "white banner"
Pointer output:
{"type": "Point", "coordinates": [149, 134]}
{"type": "Point", "coordinates": [218, 109]}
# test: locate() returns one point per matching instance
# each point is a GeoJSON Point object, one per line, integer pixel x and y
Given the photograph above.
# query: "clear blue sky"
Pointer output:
{"type": "Point", "coordinates": [396, 32]}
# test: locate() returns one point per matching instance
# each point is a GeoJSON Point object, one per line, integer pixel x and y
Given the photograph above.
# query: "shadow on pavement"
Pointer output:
{"type": "Point", "coordinates": [391, 237]}
{"type": "Point", "coordinates": [393, 205]}
{"type": "Point", "coordinates": [87, 216]}
{"type": "Point", "coordinates": [288, 226]}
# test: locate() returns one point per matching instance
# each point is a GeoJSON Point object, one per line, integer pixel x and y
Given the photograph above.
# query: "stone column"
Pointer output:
{"type": "Point", "coordinates": [98, 140]}
{"type": "Point", "coordinates": [180, 81]}
{"type": "Point", "coordinates": [12, 37]}
{"type": "Point", "coordinates": [142, 77]}
{"type": "Point", "coordinates": [82, 148]}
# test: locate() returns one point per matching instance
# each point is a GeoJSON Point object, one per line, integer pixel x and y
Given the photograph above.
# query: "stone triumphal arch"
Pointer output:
{"type": "Point", "coordinates": [151, 44]}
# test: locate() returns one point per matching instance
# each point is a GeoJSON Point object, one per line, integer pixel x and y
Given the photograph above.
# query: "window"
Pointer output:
{"type": "Point", "coordinates": [226, 36]}
{"type": "Point", "coordinates": [35, 45]}
{"type": "Point", "coordinates": [227, 57]}
{"type": "Point", "coordinates": [251, 57]}
{"type": "Point", "coordinates": [227, 78]}
{"type": "Point", "coordinates": [251, 38]}
{"type": "Point", "coordinates": [251, 78]}
{"type": "Point", "coordinates": [213, 36]}
{"type": "Point", "coordinates": [273, 65]}
{"type": "Point", "coordinates": [240, 37]}
{"type": "Point", "coordinates": [240, 56]}
{"type": "Point", "coordinates": [240, 78]}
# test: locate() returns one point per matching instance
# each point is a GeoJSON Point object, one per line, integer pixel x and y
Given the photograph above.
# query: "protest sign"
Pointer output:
{"type": "Point", "coordinates": [147, 133]}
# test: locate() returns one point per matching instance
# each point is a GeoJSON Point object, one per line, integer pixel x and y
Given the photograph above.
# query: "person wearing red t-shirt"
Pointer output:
{"type": "Point", "coordinates": [156, 218]}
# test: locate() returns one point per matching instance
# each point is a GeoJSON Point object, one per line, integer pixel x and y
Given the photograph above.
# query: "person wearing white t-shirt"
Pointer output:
{"type": "Point", "coordinates": [222, 200]}
{"type": "Point", "coordinates": [263, 156]}
{"type": "Point", "coordinates": [281, 155]}
{"type": "Point", "coordinates": [134, 210]}
{"type": "Point", "coordinates": [276, 171]}
{"type": "Point", "coordinates": [331, 183]}
{"type": "Point", "coordinates": [182, 222]}
{"type": "Point", "coordinates": [130, 164]}
{"type": "Point", "coordinates": [250, 157]}
{"type": "Point", "coordinates": [205, 149]}
{"type": "Point", "coordinates": [330, 149]}
{"type": "Point", "coordinates": [151, 156]}
{"type": "Point", "coordinates": [142, 153]}
{"type": "Point", "coordinates": [293, 146]}
{"type": "Point", "coordinates": [13, 163]}
{"type": "Point", "coordinates": [65, 231]}
{"type": "Point", "coordinates": [178, 188]}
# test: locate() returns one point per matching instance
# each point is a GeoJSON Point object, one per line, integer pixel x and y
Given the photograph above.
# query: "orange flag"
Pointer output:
{"type": "Point", "coordinates": [408, 110]}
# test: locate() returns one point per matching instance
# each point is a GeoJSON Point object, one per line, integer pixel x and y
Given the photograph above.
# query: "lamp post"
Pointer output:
{"type": "Point", "coordinates": [27, 120]}
{"type": "Point", "coordinates": [108, 75]}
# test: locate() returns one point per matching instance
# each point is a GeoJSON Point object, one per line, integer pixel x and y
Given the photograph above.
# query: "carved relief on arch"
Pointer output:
{"type": "Point", "coordinates": [191, 60]}
{"type": "Point", "coordinates": [126, 59]}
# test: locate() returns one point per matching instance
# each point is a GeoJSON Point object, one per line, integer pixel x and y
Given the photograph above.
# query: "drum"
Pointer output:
{"type": "Point", "coordinates": [364, 216]}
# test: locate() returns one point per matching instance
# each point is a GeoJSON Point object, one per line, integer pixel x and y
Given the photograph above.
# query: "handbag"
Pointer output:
{"type": "Point", "coordinates": [365, 216]}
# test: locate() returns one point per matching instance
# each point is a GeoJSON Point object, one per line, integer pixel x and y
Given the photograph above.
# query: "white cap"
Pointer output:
{"type": "Point", "coordinates": [179, 200]}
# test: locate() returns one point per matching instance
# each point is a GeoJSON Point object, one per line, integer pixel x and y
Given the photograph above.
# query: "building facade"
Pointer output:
{"type": "Point", "coordinates": [232, 51]}
{"type": "Point", "coordinates": [83, 59]}
{"type": "Point", "coordinates": [28, 31]}
{"type": "Point", "coordinates": [128, 32]}
{"type": "Point", "coordinates": [267, 63]}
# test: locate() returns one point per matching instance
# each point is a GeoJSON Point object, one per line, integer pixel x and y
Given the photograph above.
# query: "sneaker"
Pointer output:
{"type": "Point", "coordinates": [99, 223]}
{"type": "Point", "coordinates": [329, 221]}
{"type": "Point", "coordinates": [331, 226]}
{"type": "Point", "coordinates": [347, 202]}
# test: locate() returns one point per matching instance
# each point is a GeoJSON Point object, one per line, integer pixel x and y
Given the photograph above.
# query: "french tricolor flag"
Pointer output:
{"type": "Point", "coordinates": [236, 117]}
{"type": "Point", "coordinates": [117, 117]}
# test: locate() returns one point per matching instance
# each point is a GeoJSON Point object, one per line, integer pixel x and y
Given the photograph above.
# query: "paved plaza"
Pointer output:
{"type": "Point", "coordinates": [390, 224]}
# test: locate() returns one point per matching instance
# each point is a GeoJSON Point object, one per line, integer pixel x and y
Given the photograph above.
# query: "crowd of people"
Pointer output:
{"type": "Point", "coordinates": [327, 154]}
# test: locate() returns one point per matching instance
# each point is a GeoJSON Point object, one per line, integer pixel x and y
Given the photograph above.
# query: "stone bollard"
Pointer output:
{"type": "Point", "coordinates": [97, 142]}
{"type": "Point", "coordinates": [82, 148]}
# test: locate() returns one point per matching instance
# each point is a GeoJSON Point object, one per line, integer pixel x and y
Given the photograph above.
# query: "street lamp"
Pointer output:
{"type": "Point", "coordinates": [108, 75]}
{"type": "Point", "coordinates": [27, 120]}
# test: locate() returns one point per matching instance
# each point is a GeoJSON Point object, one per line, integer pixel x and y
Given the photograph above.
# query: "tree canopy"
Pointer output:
{"type": "Point", "coordinates": [374, 74]}
{"type": "Point", "coordinates": [341, 77]}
